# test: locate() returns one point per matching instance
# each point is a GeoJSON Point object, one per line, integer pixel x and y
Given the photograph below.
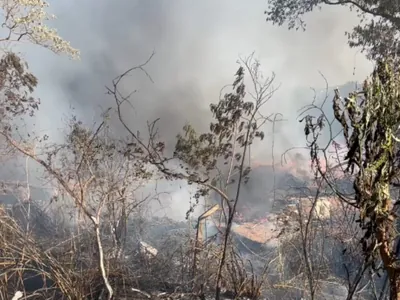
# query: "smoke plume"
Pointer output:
{"type": "Point", "coordinates": [196, 44]}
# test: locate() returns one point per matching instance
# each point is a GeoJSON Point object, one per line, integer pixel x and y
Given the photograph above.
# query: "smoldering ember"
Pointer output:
{"type": "Point", "coordinates": [199, 150]}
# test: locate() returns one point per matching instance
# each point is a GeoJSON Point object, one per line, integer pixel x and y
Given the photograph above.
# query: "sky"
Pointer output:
{"type": "Point", "coordinates": [196, 45]}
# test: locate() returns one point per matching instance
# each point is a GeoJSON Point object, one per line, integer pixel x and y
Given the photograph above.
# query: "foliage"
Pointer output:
{"type": "Point", "coordinates": [377, 32]}
{"type": "Point", "coordinates": [16, 86]}
{"type": "Point", "coordinates": [218, 155]}
{"type": "Point", "coordinates": [237, 124]}
{"type": "Point", "coordinates": [203, 152]}
{"type": "Point", "coordinates": [25, 20]}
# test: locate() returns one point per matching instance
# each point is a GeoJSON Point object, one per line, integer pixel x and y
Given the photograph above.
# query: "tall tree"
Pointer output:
{"type": "Point", "coordinates": [377, 33]}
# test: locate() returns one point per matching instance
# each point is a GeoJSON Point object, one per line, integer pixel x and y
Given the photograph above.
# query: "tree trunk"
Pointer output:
{"type": "Point", "coordinates": [101, 258]}
{"type": "Point", "coordinates": [394, 284]}
{"type": "Point", "coordinates": [385, 237]}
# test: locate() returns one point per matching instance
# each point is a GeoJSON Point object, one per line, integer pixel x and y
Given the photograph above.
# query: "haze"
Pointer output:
{"type": "Point", "coordinates": [197, 44]}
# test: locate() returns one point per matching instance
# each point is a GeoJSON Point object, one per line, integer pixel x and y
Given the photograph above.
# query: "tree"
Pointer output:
{"type": "Point", "coordinates": [210, 159]}
{"type": "Point", "coordinates": [25, 20]}
{"type": "Point", "coordinates": [377, 33]}
{"type": "Point", "coordinates": [370, 119]}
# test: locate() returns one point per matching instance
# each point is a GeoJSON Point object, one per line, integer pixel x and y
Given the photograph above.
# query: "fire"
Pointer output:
{"type": "Point", "coordinates": [297, 165]}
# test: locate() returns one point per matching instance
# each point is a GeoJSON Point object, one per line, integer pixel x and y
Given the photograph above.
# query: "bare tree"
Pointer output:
{"type": "Point", "coordinates": [97, 173]}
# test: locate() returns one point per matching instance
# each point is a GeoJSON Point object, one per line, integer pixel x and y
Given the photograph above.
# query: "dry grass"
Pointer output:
{"type": "Point", "coordinates": [170, 273]}
{"type": "Point", "coordinates": [21, 257]}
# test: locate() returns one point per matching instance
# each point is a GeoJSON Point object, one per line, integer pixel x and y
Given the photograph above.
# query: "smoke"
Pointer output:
{"type": "Point", "coordinates": [197, 44]}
